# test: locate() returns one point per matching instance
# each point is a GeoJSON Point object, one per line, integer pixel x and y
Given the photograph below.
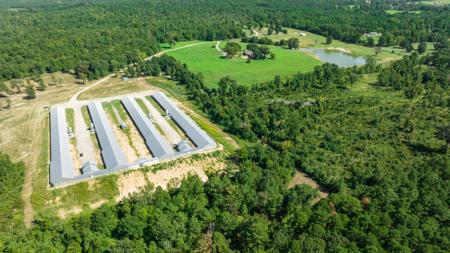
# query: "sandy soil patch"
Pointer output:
{"type": "Point", "coordinates": [92, 184]}
{"type": "Point", "coordinates": [138, 141]}
{"type": "Point", "coordinates": [124, 143]}
{"type": "Point", "coordinates": [76, 160]}
{"type": "Point", "coordinates": [137, 180]}
{"type": "Point", "coordinates": [130, 183]}
{"type": "Point", "coordinates": [302, 178]}
{"type": "Point", "coordinates": [97, 204]}
{"type": "Point", "coordinates": [340, 49]}
{"type": "Point", "coordinates": [64, 213]}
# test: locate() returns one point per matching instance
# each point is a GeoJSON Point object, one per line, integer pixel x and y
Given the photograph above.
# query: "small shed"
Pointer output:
{"type": "Point", "coordinates": [89, 167]}
{"type": "Point", "coordinates": [183, 146]}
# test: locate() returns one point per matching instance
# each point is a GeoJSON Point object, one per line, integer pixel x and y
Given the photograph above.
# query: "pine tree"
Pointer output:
{"type": "Point", "coordinates": [42, 85]}
{"type": "Point", "coordinates": [422, 48]}
{"type": "Point", "coordinates": [31, 93]}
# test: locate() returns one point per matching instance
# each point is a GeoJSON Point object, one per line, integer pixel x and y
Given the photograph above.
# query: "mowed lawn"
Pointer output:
{"type": "Point", "coordinates": [207, 60]}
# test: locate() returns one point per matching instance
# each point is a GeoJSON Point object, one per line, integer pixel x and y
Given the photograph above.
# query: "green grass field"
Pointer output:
{"type": "Point", "coordinates": [318, 41]}
{"type": "Point", "coordinates": [165, 46]}
{"type": "Point", "coordinates": [393, 12]}
{"type": "Point", "coordinates": [436, 2]}
{"type": "Point", "coordinates": [207, 60]}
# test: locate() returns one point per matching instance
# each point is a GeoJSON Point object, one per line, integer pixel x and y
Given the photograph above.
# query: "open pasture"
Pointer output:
{"type": "Point", "coordinates": [208, 60]}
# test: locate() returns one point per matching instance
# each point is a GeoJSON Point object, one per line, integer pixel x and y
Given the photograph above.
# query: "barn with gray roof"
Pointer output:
{"type": "Point", "coordinates": [159, 147]}
{"type": "Point", "coordinates": [61, 163]}
{"type": "Point", "coordinates": [192, 130]}
{"type": "Point", "coordinates": [112, 154]}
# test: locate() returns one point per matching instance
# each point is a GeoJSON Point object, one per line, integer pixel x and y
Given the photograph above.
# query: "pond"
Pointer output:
{"type": "Point", "coordinates": [339, 58]}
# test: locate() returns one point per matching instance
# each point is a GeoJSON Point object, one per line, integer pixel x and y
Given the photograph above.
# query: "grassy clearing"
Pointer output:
{"type": "Point", "coordinates": [41, 194]}
{"type": "Point", "coordinates": [393, 12]}
{"type": "Point", "coordinates": [70, 118]}
{"type": "Point", "coordinates": [115, 104]}
{"type": "Point", "coordinates": [80, 194]}
{"type": "Point", "coordinates": [207, 60]}
{"type": "Point", "coordinates": [318, 41]}
{"type": "Point", "coordinates": [165, 46]}
{"type": "Point", "coordinates": [366, 87]}
{"type": "Point", "coordinates": [109, 111]}
{"type": "Point", "coordinates": [436, 2]}
{"type": "Point", "coordinates": [142, 105]}
{"type": "Point", "coordinates": [115, 86]}
{"type": "Point", "coordinates": [24, 137]}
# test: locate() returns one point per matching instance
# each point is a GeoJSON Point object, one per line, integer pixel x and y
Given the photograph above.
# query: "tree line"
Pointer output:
{"type": "Point", "coordinates": [49, 38]}
{"type": "Point", "coordinates": [383, 158]}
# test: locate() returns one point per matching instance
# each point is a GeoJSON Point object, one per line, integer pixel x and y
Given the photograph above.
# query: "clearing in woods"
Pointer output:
{"type": "Point", "coordinates": [312, 40]}
{"type": "Point", "coordinates": [24, 127]}
{"type": "Point", "coordinates": [25, 130]}
{"type": "Point", "coordinates": [206, 59]}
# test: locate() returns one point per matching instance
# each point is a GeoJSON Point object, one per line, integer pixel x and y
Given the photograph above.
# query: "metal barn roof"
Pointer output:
{"type": "Point", "coordinates": [113, 156]}
{"type": "Point", "coordinates": [193, 131]}
{"type": "Point", "coordinates": [155, 142]}
{"type": "Point", "coordinates": [61, 164]}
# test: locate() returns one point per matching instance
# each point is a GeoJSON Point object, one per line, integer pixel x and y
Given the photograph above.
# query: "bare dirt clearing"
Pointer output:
{"type": "Point", "coordinates": [302, 178]}
{"type": "Point", "coordinates": [114, 87]}
{"type": "Point", "coordinates": [137, 180]}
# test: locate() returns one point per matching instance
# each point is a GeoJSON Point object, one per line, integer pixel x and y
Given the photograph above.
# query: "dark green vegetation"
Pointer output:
{"type": "Point", "coordinates": [10, 190]}
{"type": "Point", "coordinates": [98, 37]}
{"type": "Point", "coordinates": [232, 49]}
{"type": "Point", "coordinates": [376, 138]}
{"type": "Point", "coordinates": [382, 154]}
{"type": "Point", "coordinates": [256, 52]}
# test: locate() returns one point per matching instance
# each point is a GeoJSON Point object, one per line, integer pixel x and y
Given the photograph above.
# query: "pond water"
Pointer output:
{"type": "Point", "coordinates": [339, 58]}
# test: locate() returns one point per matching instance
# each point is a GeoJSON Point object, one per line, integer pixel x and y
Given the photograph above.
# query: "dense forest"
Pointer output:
{"type": "Point", "coordinates": [384, 158]}
{"type": "Point", "coordinates": [381, 153]}
{"type": "Point", "coordinates": [95, 37]}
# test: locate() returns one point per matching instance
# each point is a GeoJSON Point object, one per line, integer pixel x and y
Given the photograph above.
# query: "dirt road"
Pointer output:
{"type": "Point", "coordinates": [84, 143]}
{"type": "Point", "coordinates": [83, 137]}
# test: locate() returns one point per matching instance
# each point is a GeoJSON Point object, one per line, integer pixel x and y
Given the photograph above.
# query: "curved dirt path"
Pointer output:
{"type": "Point", "coordinates": [220, 50]}
{"type": "Point", "coordinates": [255, 32]}
{"type": "Point", "coordinates": [73, 102]}
{"type": "Point", "coordinates": [74, 98]}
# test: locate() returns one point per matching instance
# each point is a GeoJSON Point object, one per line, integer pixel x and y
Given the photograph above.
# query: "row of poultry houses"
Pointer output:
{"type": "Point", "coordinates": [114, 159]}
